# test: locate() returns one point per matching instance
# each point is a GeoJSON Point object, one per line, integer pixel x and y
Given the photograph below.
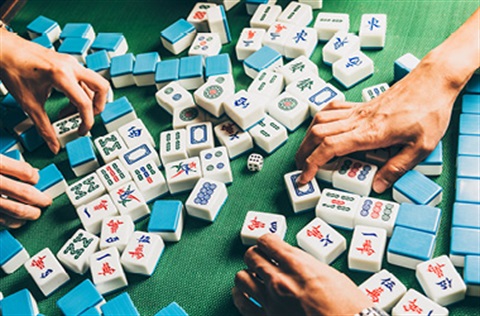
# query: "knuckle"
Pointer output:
{"type": "Point", "coordinates": [396, 169]}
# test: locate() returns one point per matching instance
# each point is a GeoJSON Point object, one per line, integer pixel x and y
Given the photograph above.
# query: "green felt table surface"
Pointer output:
{"type": "Point", "coordinates": [198, 271]}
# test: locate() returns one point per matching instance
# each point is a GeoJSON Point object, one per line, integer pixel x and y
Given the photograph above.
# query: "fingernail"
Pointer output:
{"type": "Point", "coordinates": [301, 180]}
{"type": "Point", "coordinates": [380, 185]}
{"type": "Point", "coordinates": [54, 148]}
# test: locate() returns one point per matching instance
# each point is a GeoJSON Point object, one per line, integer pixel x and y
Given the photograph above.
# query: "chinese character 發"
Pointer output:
{"type": "Point", "coordinates": [297, 66]}
{"type": "Point", "coordinates": [436, 269]}
{"type": "Point", "coordinates": [254, 224]}
{"type": "Point", "coordinates": [114, 225]}
{"type": "Point", "coordinates": [412, 307]}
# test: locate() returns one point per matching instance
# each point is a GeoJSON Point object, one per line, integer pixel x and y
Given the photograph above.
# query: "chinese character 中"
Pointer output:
{"type": "Point", "coordinates": [255, 223]}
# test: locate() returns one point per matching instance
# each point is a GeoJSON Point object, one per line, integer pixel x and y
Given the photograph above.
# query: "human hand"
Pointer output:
{"type": "Point", "coordinates": [413, 114]}
{"type": "Point", "coordinates": [24, 200]}
{"type": "Point", "coordinates": [30, 71]}
{"type": "Point", "coordinates": [288, 281]}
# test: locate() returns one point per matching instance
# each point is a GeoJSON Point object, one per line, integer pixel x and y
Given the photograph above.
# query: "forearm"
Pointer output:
{"type": "Point", "coordinates": [457, 58]}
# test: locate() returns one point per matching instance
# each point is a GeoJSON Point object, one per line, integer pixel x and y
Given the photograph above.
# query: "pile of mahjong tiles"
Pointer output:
{"type": "Point", "coordinates": [112, 192]}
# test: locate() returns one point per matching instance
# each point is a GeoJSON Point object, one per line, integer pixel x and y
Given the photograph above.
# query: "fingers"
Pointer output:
{"type": "Point", "coordinates": [340, 105]}
{"type": "Point", "coordinates": [23, 192]}
{"type": "Point", "coordinates": [12, 223]}
{"type": "Point", "coordinates": [317, 134]}
{"type": "Point", "coordinates": [80, 99]}
{"type": "Point", "coordinates": [338, 146]}
{"type": "Point", "coordinates": [250, 285]}
{"type": "Point", "coordinates": [98, 85]}
{"type": "Point", "coordinates": [18, 169]}
{"type": "Point", "coordinates": [276, 249]}
{"type": "Point", "coordinates": [245, 305]}
{"type": "Point", "coordinates": [396, 167]}
{"type": "Point", "coordinates": [44, 127]}
{"type": "Point", "coordinates": [16, 210]}
{"type": "Point", "coordinates": [259, 265]}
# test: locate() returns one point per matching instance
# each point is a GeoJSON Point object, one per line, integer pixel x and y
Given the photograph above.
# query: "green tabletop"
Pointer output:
{"type": "Point", "coordinates": [198, 271]}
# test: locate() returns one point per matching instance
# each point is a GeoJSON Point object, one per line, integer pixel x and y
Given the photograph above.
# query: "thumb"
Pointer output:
{"type": "Point", "coordinates": [396, 167]}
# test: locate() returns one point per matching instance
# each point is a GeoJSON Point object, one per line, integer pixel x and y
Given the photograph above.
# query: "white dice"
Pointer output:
{"type": "Point", "coordinates": [255, 162]}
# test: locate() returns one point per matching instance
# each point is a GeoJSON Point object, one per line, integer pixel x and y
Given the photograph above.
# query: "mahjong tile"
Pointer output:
{"type": "Point", "coordinates": [173, 145]}
{"type": "Point", "coordinates": [85, 190]}
{"type": "Point", "coordinates": [129, 201]}
{"type": "Point", "coordinates": [367, 248]}
{"type": "Point", "coordinates": [303, 197]}
{"type": "Point", "coordinates": [377, 213]}
{"type": "Point", "coordinates": [206, 199]}
{"type": "Point", "coordinates": [268, 134]}
{"type": "Point", "coordinates": [116, 232]}
{"type": "Point", "coordinates": [216, 165]}
{"type": "Point", "coordinates": [199, 137]}
{"type": "Point", "coordinates": [233, 138]}
{"type": "Point", "coordinates": [257, 224]}
{"type": "Point", "coordinates": [107, 272]}
{"type": "Point", "coordinates": [113, 174]}
{"type": "Point", "coordinates": [92, 214]}
{"type": "Point", "coordinates": [321, 241]}
{"type": "Point", "coordinates": [142, 253]}
{"type": "Point", "coordinates": [414, 303]}
{"type": "Point", "coordinates": [384, 289]}
{"type": "Point", "coordinates": [110, 146]}
{"type": "Point", "coordinates": [338, 208]}
{"type": "Point", "coordinates": [149, 180]}
{"type": "Point", "coordinates": [76, 251]}
{"type": "Point", "coordinates": [182, 175]}
{"type": "Point", "coordinates": [134, 133]}
{"type": "Point", "coordinates": [354, 176]}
